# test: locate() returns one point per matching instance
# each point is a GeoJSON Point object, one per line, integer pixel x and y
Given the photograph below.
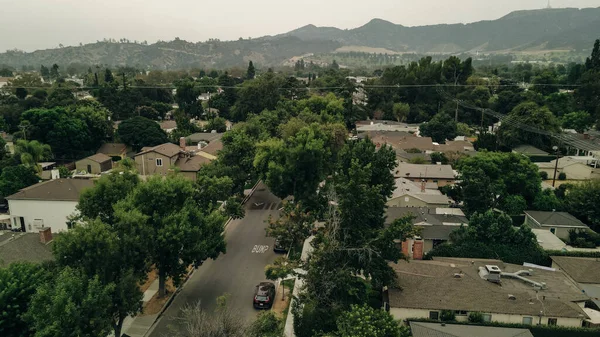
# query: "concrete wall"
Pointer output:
{"type": "Point", "coordinates": [146, 164]}
{"type": "Point", "coordinates": [97, 168]}
{"type": "Point", "coordinates": [52, 214]}
{"type": "Point", "coordinates": [405, 313]}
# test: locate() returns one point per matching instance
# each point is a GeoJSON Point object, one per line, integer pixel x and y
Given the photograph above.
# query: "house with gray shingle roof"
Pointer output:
{"type": "Point", "coordinates": [426, 329]}
{"type": "Point", "coordinates": [502, 292]}
{"type": "Point", "coordinates": [558, 223]}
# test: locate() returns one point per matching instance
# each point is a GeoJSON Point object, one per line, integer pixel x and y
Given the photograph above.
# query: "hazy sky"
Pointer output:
{"type": "Point", "coordinates": [40, 24]}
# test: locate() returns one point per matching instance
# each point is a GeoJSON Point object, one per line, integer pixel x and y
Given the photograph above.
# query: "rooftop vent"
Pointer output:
{"type": "Point", "coordinates": [512, 297]}
{"type": "Point", "coordinates": [458, 275]}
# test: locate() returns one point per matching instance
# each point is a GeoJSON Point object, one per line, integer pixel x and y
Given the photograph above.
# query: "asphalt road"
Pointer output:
{"type": "Point", "coordinates": [237, 272]}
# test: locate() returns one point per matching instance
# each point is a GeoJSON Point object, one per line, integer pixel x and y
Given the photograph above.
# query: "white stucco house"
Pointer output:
{"type": "Point", "coordinates": [46, 205]}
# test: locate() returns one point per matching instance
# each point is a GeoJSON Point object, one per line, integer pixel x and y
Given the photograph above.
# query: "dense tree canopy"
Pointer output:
{"type": "Point", "coordinates": [440, 128]}
{"type": "Point", "coordinates": [139, 132]}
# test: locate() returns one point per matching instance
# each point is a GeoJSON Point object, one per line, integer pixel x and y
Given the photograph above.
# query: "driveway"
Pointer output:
{"type": "Point", "coordinates": [237, 272]}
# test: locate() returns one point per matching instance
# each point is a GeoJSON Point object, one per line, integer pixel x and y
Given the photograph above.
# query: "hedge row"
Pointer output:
{"type": "Point", "coordinates": [536, 330]}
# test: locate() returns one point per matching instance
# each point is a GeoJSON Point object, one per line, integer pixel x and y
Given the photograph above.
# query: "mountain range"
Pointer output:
{"type": "Point", "coordinates": [520, 31]}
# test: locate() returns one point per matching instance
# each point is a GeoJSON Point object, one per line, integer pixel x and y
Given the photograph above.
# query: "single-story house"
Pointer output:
{"type": "Point", "coordinates": [417, 199]}
{"type": "Point", "coordinates": [94, 164]}
{"type": "Point", "coordinates": [558, 223]}
{"type": "Point", "coordinates": [403, 186]}
{"type": "Point", "coordinates": [190, 165]}
{"type": "Point", "coordinates": [585, 272]}
{"type": "Point", "coordinates": [381, 125]}
{"type": "Point", "coordinates": [46, 204]}
{"type": "Point", "coordinates": [114, 150]}
{"type": "Point", "coordinates": [572, 168]}
{"type": "Point", "coordinates": [441, 174]}
{"type": "Point", "coordinates": [168, 126]}
{"type": "Point", "coordinates": [435, 228]}
{"type": "Point", "coordinates": [207, 137]}
{"type": "Point", "coordinates": [501, 292]}
{"type": "Point", "coordinates": [427, 329]}
{"type": "Point", "coordinates": [25, 247]}
{"type": "Point", "coordinates": [406, 157]}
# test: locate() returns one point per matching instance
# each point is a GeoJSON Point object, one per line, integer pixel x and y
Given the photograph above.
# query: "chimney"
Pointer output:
{"type": "Point", "coordinates": [182, 142]}
{"type": "Point", "coordinates": [45, 235]}
{"type": "Point", "coordinates": [586, 136]}
{"type": "Point", "coordinates": [423, 184]}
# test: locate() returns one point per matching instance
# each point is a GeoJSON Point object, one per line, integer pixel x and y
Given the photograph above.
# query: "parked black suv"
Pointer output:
{"type": "Point", "coordinates": [278, 247]}
{"type": "Point", "coordinates": [264, 295]}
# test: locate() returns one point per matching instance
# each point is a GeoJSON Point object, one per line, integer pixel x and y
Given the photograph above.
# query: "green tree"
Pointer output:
{"type": "Point", "coordinates": [440, 128]}
{"type": "Point", "coordinates": [14, 178]}
{"type": "Point", "coordinates": [582, 199]}
{"type": "Point", "coordinates": [251, 72]}
{"type": "Point", "coordinates": [267, 324]}
{"type": "Point", "coordinates": [513, 131]}
{"type": "Point", "coordinates": [115, 256]}
{"type": "Point", "coordinates": [257, 95]}
{"type": "Point", "coordinates": [364, 321]}
{"type": "Point", "coordinates": [30, 153]}
{"type": "Point", "coordinates": [18, 283]}
{"type": "Point", "coordinates": [21, 93]}
{"type": "Point", "coordinates": [99, 201]}
{"type": "Point", "coordinates": [54, 74]}
{"type": "Point", "coordinates": [179, 232]}
{"type": "Point", "coordinates": [278, 270]}
{"type": "Point", "coordinates": [489, 178]}
{"type": "Point", "coordinates": [463, 129]}
{"type": "Point", "coordinates": [493, 228]}
{"type": "Point", "coordinates": [108, 76]}
{"type": "Point", "coordinates": [578, 120]}
{"type": "Point", "coordinates": [73, 305]}
{"type": "Point", "coordinates": [148, 112]}
{"type": "Point", "coordinates": [138, 132]}
{"type": "Point", "coordinates": [64, 172]}
{"type": "Point", "coordinates": [45, 72]}
{"type": "Point", "coordinates": [218, 123]}
{"type": "Point", "coordinates": [401, 111]}
{"type": "Point", "coordinates": [547, 201]}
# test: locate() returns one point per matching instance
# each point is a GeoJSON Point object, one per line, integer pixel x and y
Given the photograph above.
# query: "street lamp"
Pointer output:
{"type": "Point", "coordinates": [555, 148]}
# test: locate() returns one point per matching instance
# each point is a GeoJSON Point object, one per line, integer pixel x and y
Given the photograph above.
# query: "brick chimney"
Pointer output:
{"type": "Point", "coordinates": [45, 235]}
{"type": "Point", "coordinates": [182, 142]}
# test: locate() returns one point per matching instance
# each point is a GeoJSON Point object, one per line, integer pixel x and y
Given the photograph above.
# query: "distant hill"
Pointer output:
{"type": "Point", "coordinates": [545, 29]}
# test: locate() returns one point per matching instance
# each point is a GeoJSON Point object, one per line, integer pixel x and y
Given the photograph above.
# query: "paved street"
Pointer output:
{"type": "Point", "coordinates": [237, 272]}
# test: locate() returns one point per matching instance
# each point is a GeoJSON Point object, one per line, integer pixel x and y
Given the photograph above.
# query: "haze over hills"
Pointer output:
{"type": "Point", "coordinates": [546, 29]}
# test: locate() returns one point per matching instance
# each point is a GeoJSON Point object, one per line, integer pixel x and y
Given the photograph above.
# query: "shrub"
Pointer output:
{"type": "Point", "coordinates": [413, 150]}
{"type": "Point", "coordinates": [475, 317]}
{"type": "Point", "coordinates": [562, 176]}
{"type": "Point", "coordinates": [448, 315]}
{"type": "Point", "coordinates": [544, 175]}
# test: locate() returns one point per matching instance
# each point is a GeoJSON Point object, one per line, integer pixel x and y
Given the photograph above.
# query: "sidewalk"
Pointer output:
{"type": "Point", "coordinates": [139, 325]}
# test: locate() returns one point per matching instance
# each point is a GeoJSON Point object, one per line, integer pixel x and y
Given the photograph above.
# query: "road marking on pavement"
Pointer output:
{"type": "Point", "coordinates": [260, 249]}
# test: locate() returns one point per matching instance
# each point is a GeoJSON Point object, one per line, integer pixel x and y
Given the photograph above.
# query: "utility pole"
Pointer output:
{"type": "Point", "coordinates": [555, 148]}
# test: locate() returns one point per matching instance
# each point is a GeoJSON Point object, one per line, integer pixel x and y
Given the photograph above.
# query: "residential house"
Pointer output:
{"type": "Point", "coordinates": [502, 292]}
{"type": "Point", "coordinates": [94, 164]}
{"type": "Point", "coordinates": [25, 247]}
{"type": "Point", "coordinates": [206, 137]}
{"type": "Point", "coordinates": [116, 151]}
{"type": "Point", "coordinates": [585, 272]}
{"type": "Point", "coordinates": [380, 125]}
{"type": "Point", "coordinates": [426, 329]}
{"type": "Point", "coordinates": [168, 126]}
{"type": "Point", "coordinates": [408, 193]}
{"type": "Point", "coordinates": [574, 169]}
{"type": "Point", "coordinates": [46, 204]}
{"type": "Point", "coordinates": [558, 223]}
{"type": "Point", "coordinates": [441, 174]}
{"type": "Point", "coordinates": [158, 159]}
{"type": "Point", "coordinates": [9, 140]}
{"type": "Point", "coordinates": [164, 158]}
{"type": "Point", "coordinates": [529, 150]}
{"type": "Point", "coordinates": [435, 228]}
{"type": "Point", "coordinates": [406, 157]}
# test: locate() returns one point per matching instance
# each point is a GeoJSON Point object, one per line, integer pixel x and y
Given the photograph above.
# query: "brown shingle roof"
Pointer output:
{"type": "Point", "coordinates": [433, 285]}
{"type": "Point", "coordinates": [166, 125]}
{"type": "Point", "coordinates": [191, 164]}
{"type": "Point", "coordinates": [112, 148]}
{"type": "Point", "coordinates": [581, 269]}
{"type": "Point", "coordinates": [54, 190]}
{"type": "Point", "coordinates": [213, 147]}
{"type": "Point", "coordinates": [166, 149]}
{"type": "Point", "coordinates": [99, 158]}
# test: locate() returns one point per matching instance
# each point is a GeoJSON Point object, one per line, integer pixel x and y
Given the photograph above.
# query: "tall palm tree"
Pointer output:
{"type": "Point", "coordinates": [32, 152]}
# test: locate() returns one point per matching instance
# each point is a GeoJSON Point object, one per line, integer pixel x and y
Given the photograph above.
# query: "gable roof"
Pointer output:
{"type": "Point", "coordinates": [529, 150]}
{"type": "Point", "coordinates": [112, 148]}
{"type": "Point", "coordinates": [433, 226]}
{"type": "Point", "coordinates": [204, 136]}
{"type": "Point", "coordinates": [413, 171]}
{"type": "Point", "coordinates": [191, 164]}
{"type": "Point", "coordinates": [404, 186]}
{"type": "Point", "coordinates": [433, 285]}
{"type": "Point", "coordinates": [581, 269]}
{"type": "Point", "coordinates": [54, 190]}
{"type": "Point", "coordinates": [213, 147]}
{"type": "Point", "coordinates": [24, 247]}
{"type": "Point", "coordinates": [168, 125]}
{"type": "Point", "coordinates": [166, 149]}
{"type": "Point", "coordinates": [555, 219]}
{"type": "Point", "coordinates": [99, 158]}
{"type": "Point", "coordinates": [424, 329]}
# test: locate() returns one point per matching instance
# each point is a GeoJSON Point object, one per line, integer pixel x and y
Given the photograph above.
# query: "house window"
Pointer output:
{"type": "Point", "coordinates": [435, 315]}
{"type": "Point", "coordinates": [158, 161]}
{"type": "Point", "coordinates": [487, 317]}
{"type": "Point", "coordinates": [552, 321]}
{"type": "Point", "coordinates": [460, 312]}
{"type": "Point", "coordinates": [528, 320]}
{"type": "Point", "coordinates": [553, 230]}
